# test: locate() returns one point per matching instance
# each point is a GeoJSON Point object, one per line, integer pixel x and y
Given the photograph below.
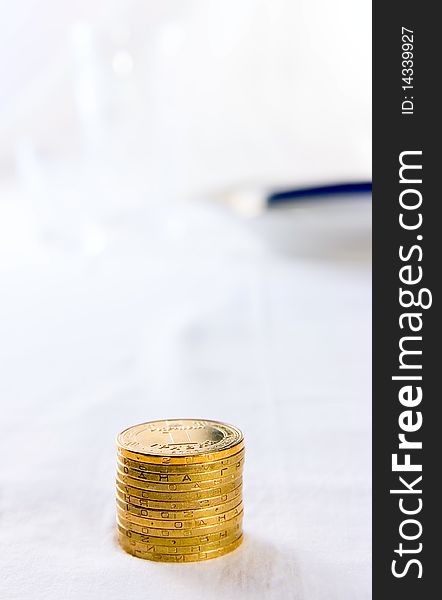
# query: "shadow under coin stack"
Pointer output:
{"type": "Point", "coordinates": [179, 489]}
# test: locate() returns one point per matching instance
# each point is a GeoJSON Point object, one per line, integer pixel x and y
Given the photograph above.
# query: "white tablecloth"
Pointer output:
{"type": "Point", "coordinates": [186, 311]}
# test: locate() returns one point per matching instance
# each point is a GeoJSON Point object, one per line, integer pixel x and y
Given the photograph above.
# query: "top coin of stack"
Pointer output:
{"type": "Point", "coordinates": [179, 489]}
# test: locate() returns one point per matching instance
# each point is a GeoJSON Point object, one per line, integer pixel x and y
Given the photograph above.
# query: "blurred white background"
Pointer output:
{"type": "Point", "coordinates": [127, 293]}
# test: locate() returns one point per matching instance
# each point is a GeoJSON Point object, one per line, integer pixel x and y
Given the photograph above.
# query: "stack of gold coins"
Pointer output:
{"type": "Point", "coordinates": [179, 489]}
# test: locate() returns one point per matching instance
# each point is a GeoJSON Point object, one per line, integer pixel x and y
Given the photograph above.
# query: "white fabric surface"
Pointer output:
{"type": "Point", "coordinates": [186, 311]}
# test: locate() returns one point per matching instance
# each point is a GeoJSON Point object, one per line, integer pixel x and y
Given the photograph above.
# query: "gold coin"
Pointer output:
{"type": "Point", "coordinates": [180, 478]}
{"type": "Point", "coordinates": [134, 514]}
{"type": "Point", "coordinates": [129, 531]}
{"type": "Point", "coordinates": [184, 532]}
{"type": "Point", "coordinates": [200, 468]}
{"type": "Point", "coordinates": [140, 553]}
{"type": "Point", "coordinates": [192, 523]}
{"type": "Point", "coordinates": [187, 486]}
{"type": "Point", "coordinates": [146, 495]}
{"type": "Point", "coordinates": [168, 496]}
{"type": "Point", "coordinates": [177, 515]}
{"type": "Point", "coordinates": [180, 441]}
{"type": "Point", "coordinates": [234, 524]}
{"type": "Point", "coordinates": [152, 547]}
{"type": "Point", "coordinates": [176, 505]}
